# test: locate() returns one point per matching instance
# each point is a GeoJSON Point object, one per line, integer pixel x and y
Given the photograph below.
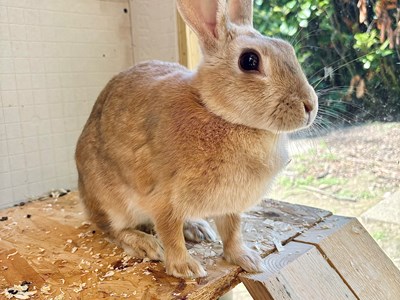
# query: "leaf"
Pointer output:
{"type": "Point", "coordinates": [304, 14]}
{"type": "Point", "coordinates": [284, 28]}
{"type": "Point", "coordinates": [370, 57]}
{"type": "Point", "coordinates": [303, 23]}
{"type": "Point", "coordinates": [384, 45]}
{"type": "Point", "coordinates": [291, 4]}
{"type": "Point", "coordinates": [305, 5]}
{"type": "Point", "coordinates": [367, 65]}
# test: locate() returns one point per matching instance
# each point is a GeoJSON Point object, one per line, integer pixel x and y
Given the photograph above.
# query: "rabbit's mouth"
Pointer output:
{"type": "Point", "coordinates": [291, 114]}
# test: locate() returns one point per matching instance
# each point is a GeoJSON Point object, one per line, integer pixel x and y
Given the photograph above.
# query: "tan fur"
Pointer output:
{"type": "Point", "coordinates": [164, 145]}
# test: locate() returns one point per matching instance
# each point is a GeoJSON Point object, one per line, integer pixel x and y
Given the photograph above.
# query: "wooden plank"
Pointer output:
{"type": "Point", "coordinates": [16, 269]}
{"type": "Point", "coordinates": [188, 45]}
{"type": "Point", "coordinates": [75, 260]}
{"type": "Point", "coordinates": [274, 222]}
{"type": "Point", "coordinates": [299, 272]}
{"type": "Point", "coordinates": [356, 256]}
{"type": "Point", "coordinates": [182, 41]}
{"type": "Point", "coordinates": [194, 52]}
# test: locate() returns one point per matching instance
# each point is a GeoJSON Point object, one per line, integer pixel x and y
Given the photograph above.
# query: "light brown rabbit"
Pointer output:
{"type": "Point", "coordinates": [164, 145]}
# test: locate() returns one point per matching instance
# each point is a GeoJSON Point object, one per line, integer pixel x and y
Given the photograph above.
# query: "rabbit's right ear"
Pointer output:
{"type": "Point", "coordinates": [207, 18]}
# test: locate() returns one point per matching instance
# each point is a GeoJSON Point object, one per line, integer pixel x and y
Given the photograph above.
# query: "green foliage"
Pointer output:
{"type": "Point", "coordinates": [333, 49]}
{"type": "Point", "coordinates": [368, 44]}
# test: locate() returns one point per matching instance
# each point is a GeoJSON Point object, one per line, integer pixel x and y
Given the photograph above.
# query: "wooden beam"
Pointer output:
{"type": "Point", "coordinates": [188, 44]}
{"type": "Point", "coordinates": [182, 41]}
{"type": "Point", "coordinates": [356, 257]}
{"type": "Point", "coordinates": [298, 272]}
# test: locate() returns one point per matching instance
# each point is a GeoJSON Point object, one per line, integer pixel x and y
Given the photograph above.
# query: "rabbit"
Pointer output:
{"type": "Point", "coordinates": [165, 147]}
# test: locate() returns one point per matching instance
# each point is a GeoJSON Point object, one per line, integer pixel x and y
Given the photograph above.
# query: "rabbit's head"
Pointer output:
{"type": "Point", "coordinates": [245, 77]}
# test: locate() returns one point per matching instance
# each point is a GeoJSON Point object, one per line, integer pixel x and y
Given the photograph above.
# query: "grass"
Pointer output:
{"type": "Point", "coordinates": [379, 235]}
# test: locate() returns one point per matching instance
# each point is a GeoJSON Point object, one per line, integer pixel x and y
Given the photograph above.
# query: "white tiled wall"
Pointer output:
{"type": "Point", "coordinates": [55, 57]}
{"type": "Point", "coordinates": [154, 28]}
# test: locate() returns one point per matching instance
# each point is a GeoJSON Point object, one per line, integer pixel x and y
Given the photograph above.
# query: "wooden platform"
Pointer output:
{"type": "Point", "coordinates": [318, 256]}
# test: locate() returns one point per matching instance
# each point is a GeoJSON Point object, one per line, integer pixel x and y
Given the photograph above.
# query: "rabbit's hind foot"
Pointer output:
{"type": "Point", "coordinates": [140, 244]}
{"type": "Point", "coordinates": [198, 231]}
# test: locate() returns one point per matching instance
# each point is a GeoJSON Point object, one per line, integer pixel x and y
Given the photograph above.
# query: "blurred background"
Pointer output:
{"type": "Point", "coordinates": [349, 161]}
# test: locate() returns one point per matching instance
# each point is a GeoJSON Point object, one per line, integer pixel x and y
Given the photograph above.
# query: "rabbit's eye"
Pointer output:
{"type": "Point", "coordinates": [249, 61]}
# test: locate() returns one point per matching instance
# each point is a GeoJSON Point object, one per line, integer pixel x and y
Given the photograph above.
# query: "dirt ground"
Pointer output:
{"type": "Point", "coordinates": [347, 171]}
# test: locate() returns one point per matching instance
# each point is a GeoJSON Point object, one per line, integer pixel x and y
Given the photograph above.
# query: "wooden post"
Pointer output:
{"type": "Point", "coordinates": [189, 51]}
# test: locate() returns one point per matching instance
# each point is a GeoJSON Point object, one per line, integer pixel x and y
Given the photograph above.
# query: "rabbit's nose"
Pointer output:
{"type": "Point", "coordinates": [308, 107]}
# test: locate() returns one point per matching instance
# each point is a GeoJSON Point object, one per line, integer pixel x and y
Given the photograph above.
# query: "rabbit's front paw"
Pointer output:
{"type": "Point", "coordinates": [197, 231]}
{"type": "Point", "coordinates": [249, 260]}
{"type": "Point", "coordinates": [185, 268]}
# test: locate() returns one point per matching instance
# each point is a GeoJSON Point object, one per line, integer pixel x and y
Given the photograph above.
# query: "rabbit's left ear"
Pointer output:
{"type": "Point", "coordinates": [241, 12]}
{"type": "Point", "coordinates": [207, 18]}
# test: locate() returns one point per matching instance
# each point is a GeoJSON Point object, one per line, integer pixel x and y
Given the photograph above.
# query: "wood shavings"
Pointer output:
{"type": "Point", "coordinates": [278, 244]}
{"type": "Point", "coordinates": [356, 229]}
{"type": "Point", "coordinates": [59, 297]}
{"type": "Point", "coordinates": [326, 226]}
{"type": "Point", "coordinates": [86, 234]}
{"type": "Point", "coordinates": [58, 193]}
{"type": "Point", "coordinates": [78, 287]}
{"type": "Point", "coordinates": [45, 289]}
{"type": "Point", "coordinates": [19, 292]}
{"type": "Point", "coordinates": [269, 223]}
{"type": "Point", "coordinates": [109, 274]}
{"type": "Point", "coordinates": [85, 224]}
{"type": "Point", "coordinates": [74, 249]}
{"type": "Point", "coordinates": [277, 226]}
{"type": "Point", "coordinates": [11, 254]}
{"type": "Point", "coordinates": [84, 264]}
{"type": "Point", "coordinates": [90, 250]}
{"type": "Point", "coordinates": [262, 245]}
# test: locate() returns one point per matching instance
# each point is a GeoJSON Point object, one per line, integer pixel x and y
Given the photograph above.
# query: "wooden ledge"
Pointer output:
{"type": "Point", "coordinates": [335, 259]}
{"type": "Point", "coordinates": [49, 244]}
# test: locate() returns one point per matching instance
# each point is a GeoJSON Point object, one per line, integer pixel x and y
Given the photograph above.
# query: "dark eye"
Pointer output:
{"type": "Point", "coordinates": [249, 61]}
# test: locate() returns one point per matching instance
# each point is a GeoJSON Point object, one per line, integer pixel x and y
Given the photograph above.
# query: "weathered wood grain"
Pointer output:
{"type": "Point", "coordinates": [299, 272]}
{"type": "Point", "coordinates": [70, 256]}
{"type": "Point", "coordinates": [356, 257]}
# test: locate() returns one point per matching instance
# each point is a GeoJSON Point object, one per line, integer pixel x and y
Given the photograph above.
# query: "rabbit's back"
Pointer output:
{"type": "Point", "coordinates": [120, 131]}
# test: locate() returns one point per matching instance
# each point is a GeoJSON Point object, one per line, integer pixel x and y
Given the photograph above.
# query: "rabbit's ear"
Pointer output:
{"type": "Point", "coordinates": [208, 19]}
{"type": "Point", "coordinates": [241, 12]}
